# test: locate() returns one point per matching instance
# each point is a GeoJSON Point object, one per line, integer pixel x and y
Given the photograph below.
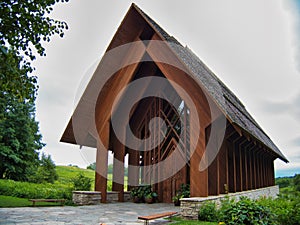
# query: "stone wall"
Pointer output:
{"type": "Point", "coordinates": [94, 197]}
{"type": "Point", "coordinates": [189, 207]}
{"type": "Point", "coordinates": [86, 197]}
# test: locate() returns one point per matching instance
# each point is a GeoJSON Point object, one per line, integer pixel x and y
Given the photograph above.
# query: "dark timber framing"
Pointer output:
{"type": "Point", "coordinates": [245, 159]}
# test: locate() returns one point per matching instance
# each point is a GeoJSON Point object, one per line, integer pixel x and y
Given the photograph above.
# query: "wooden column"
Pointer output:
{"type": "Point", "coordinates": [238, 164]}
{"type": "Point", "coordinates": [198, 179]}
{"type": "Point", "coordinates": [264, 165]}
{"type": "Point", "coordinates": [250, 169]}
{"type": "Point", "coordinates": [118, 167]}
{"type": "Point", "coordinates": [213, 168]}
{"type": "Point", "coordinates": [231, 168]}
{"type": "Point", "coordinates": [244, 168]}
{"type": "Point", "coordinates": [223, 169]}
{"type": "Point", "coordinates": [133, 169]}
{"type": "Point", "coordinates": [101, 163]}
{"type": "Point", "coordinates": [272, 173]}
{"type": "Point", "coordinates": [259, 175]}
{"type": "Point", "coordinates": [254, 178]}
{"type": "Point", "coordinates": [213, 177]}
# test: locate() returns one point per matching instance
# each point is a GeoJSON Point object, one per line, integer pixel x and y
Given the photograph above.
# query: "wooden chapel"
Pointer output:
{"type": "Point", "coordinates": [245, 158]}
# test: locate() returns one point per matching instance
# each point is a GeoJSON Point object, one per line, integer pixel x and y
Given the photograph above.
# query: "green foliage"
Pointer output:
{"type": "Point", "coordinates": [92, 166]}
{"type": "Point", "coordinates": [208, 212]}
{"type": "Point", "coordinates": [82, 183]}
{"type": "Point", "coordinates": [25, 23]}
{"type": "Point", "coordinates": [246, 211]}
{"type": "Point", "coordinates": [296, 181]}
{"type": "Point", "coordinates": [19, 138]}
{"type": "Point", "coordinates": [32, 190]}
{"type": "Point", "coordinates": [46, 171]}
{"type": "Point", "coordinates": [143, 191]}
{"type": "Point", "coordinates": [284, 182]}
{"type": "Point", "coordinates": [14, 80]}
{"type": "Point", "coordinates": [184, 191]}
{"type": "Point", "coordinates": [285, 209]}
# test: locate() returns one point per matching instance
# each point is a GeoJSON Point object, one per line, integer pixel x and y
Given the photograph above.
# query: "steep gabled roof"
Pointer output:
{"type": "Point", "coordinates": [231, 106]}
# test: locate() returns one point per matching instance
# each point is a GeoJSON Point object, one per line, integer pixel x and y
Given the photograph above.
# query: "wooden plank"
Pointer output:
{"type": "Point", "coordinates": [157, 216]}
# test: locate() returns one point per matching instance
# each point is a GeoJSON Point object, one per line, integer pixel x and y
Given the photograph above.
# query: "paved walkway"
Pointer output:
{"type": "Point", "coordinates": [113, 213]}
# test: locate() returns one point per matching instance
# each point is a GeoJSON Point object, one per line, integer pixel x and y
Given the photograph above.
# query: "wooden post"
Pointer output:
{"type": "Point", "coordinates": [101, 163]}
{"type": "Point", "coordinates": [238, 163]}
{"type": "Point", "coordinates": [118, 167]}
{"type": "Point", "coordinates": [223, 169]}
{"type": "Point", "coordinates": [213, 168]}
{"type": "Point", "coordinates": [198, 179]}
{"type": "Point", "coordinates": [231, 167]}
{"type": "Point", "coordinates": [133, 169]}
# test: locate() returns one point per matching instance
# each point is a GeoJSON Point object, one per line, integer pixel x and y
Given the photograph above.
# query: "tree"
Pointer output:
{"type": "Point", "coordinates": [24, 25]}
{"type": "Point", "coordinates": [92, 166]}
{"type": "Point", "coordinates": [19, 138]}
{"type": "Point", "coordinates": [297, 182]}
{"type": "Point", "coordinates": [82, 183]}
{"type": "Point", "coordinates": [46, 171]}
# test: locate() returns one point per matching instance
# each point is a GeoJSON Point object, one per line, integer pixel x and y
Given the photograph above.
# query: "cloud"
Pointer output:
{"type": "Point", "coordinates": [296, 142]}
{"type": "Point", "coordinates": [293, 6]}
{"type": "Point", "coordinates": [291, 107]}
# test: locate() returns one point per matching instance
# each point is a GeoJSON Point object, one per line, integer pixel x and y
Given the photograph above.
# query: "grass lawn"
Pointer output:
{"type": "Point", "coordinates": [178, 220]}
{"type": "Point", "coordinates": [67, 173]}
{"type": "Point", "coordinates": [9, 201]}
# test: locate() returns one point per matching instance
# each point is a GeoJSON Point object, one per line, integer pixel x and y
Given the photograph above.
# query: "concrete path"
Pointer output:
{"type": "Point", "coordinates": [113, 213]}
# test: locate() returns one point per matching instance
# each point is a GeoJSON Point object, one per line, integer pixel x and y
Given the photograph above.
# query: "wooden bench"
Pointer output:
{"type": "Point", "coordinates": [156, 216]}
{"type": "Point", "coordinates": [62, 201]}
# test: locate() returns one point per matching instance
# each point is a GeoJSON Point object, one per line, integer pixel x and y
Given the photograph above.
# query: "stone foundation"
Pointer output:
{"type": "Point", "coordinates": [86, 197]}
{"type": "Point", "coordinates": [94, 197]}
{"type": "Point", "coordinates": [189, 207]}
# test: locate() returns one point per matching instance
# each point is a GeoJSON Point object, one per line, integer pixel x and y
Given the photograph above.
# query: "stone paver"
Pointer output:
{"type": "Point", "coordinates": [110, 214]}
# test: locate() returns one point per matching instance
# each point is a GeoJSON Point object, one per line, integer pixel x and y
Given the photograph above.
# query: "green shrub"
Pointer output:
{"type": "Point", "coordinates": [46, 172]}
{"type": "Point", "coordinates": [208, 212]}
{"type": "Point", "coordinates": [284, 181]}
{"type": "Point", "coordinates": [285, 208]}
{"type": "Point", "coordinates": [247, 211]}
{"type": "Point", "coordinates": [296, 182]}
{"type": "Point", "coordinates": [82, 183]}
{"type": "Point", "coordinates": [31, 190]}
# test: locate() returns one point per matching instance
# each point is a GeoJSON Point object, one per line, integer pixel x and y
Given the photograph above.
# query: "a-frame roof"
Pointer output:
{"type": "Point", "coordinates": [235, 111]}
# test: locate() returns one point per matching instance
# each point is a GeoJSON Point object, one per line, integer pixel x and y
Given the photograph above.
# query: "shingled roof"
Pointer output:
{"type": "Point", "coordinates": [232, 106]}
{"type": "Point", "coordinates": [235, 111]}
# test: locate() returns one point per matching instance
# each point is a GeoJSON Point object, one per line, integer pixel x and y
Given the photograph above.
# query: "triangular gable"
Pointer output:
{"type": "Point", "coordinates": [230, 105]}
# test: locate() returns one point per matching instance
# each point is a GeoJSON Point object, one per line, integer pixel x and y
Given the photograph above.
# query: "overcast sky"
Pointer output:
{"type": "Point", "coordinates": [252, 46]}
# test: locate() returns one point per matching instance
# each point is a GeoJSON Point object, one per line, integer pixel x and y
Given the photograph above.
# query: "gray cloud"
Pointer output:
{"type": "Point", "coordinates": [293, 6]}
{"type": "Point", "coordinates": [296, 142]}
{"type": "Point", "coordinates": [290, 107]}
